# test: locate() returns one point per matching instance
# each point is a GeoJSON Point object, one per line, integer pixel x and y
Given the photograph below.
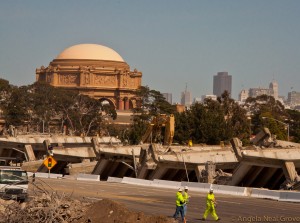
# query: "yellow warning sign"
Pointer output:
{"type": "Point", "coordinates": [49, 162]}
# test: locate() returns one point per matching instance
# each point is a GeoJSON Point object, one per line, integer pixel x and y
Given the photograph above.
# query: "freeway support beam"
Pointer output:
{"type": "Point", "coordinates": [158, 173]}
{"type": "Point", "coordinates": [289, 171]}
{"type": "Point", "coordinates": [239, 173]}
{"type": "Point", "coordinates": [256, 170]}
{"type": "Point", "coordinates": [199, 169]}
{"type": "Point", "coordinates": [265, 177]}
{"type": "Point", "coordinates": [29, 153]}
{"type": "Point", "coordinates": [100, 166]}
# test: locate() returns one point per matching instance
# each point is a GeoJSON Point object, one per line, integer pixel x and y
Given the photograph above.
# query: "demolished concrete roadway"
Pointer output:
{"type": "Point", "coordinates": [268, 163]}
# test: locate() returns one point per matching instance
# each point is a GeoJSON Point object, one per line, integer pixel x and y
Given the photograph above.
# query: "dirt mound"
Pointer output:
{"type": "Point", "coordinates": [51, 208]}
{"type": "Point", "coordinates": [54, 208]}
{"type": "Point", "coordinates": [107, 211]}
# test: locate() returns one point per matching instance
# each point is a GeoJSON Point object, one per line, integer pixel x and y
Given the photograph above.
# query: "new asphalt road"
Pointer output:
{"type": "Point", "coordinates": [159, 201]}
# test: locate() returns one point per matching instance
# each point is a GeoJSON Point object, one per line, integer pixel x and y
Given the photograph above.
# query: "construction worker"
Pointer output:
{"type": "Point", "coordinates": [186, 198]}
{"type": "Point", "coordinates": [210, 206]}
{"type": "Point", "coordinates": [179, 205]}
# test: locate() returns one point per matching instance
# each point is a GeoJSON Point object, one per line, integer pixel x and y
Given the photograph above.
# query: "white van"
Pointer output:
{"type": "Point", "coordinates": [13, 183]}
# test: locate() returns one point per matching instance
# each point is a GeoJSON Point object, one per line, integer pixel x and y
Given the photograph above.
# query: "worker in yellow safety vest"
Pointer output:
{"type": "Point", "coordinates": [179, 205]}
{"type": "Point", "coordinates": [210, 206]}
{"type": "Point", "coordinates": [186, 197]}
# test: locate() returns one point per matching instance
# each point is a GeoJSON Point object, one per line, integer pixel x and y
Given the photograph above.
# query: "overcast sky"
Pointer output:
{"type": "Point", "coordinates": [172, 42]}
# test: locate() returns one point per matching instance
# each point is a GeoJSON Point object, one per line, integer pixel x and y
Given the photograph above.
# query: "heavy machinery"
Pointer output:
{"type": "Point", "coordinates": [161, 123]}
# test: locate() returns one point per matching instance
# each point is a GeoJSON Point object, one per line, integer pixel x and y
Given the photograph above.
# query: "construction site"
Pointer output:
{"type": "Point", "coordinates": [267, 163]}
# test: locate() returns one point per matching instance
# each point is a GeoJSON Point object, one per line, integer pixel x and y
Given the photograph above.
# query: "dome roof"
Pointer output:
{"type": "Point", "coordinates": [90, 52]}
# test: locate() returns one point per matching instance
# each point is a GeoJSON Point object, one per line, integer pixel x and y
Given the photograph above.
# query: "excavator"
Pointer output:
{"type": "Point", "coordinates": [158, 124]}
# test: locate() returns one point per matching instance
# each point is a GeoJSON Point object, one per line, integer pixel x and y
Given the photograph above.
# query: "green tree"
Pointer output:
{"type": "Point", "coordinates": [266, 106]}
{"type": "Point", "coordinates": [212, 121]}
{"type": "Point", "coordinates": [182, 126]}
{"type": "Point", "coordinates": [294, 125]}
{"type": "Point", "coordinates": [236, 122]}
{"type": "Point", "coordinates": [151, 103]}
{"type": "Point", "coordinates": [16, 107]}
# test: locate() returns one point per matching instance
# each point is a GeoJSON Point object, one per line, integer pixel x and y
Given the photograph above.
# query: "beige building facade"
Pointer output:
{"type": "Point", "coordinates": [94, 70]}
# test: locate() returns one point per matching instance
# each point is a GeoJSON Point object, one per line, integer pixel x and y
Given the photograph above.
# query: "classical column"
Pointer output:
{"type": "Point", "coordinates": [121, 104]}
{"type": "Point", "coordinates": [126, 103]}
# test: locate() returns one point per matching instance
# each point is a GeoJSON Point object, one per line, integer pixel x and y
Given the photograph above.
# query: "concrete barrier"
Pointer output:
{"type": "Point", "coordinates": [221, 189]}
{"type": "Point", "coordinates": [142, 182]}
{"type": "Point", "coordinates": [114, 179]}
{"type": "Point", "coordinates": [193, 186]}
{"type": "Point", "coordinates": [264, 193]}
{"type": "Point", "coordinates": [166, 184]}
{"type": "Point", "coordinates": [69, 177]}
{"type": "Point", "coordinates": [29, 174]}
{"type": "Point", "coordinates": [289, 196]}
{"type": "Point", "coordinates": [224, 189]}
{"type": "Point", "coordinates": [88, 177]}
{"type": "Point", "coordinates": [47, 175]}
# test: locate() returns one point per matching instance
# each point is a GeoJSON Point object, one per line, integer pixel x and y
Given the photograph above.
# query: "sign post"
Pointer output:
{"type": "Point", "coordinates": [49, 162]}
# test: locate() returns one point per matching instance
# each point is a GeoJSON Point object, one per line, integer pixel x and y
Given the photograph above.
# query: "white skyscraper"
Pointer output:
{"type": "Point", "coordinates": [243, 95]}
{"type": "Point", "coordinates": [186, 98]}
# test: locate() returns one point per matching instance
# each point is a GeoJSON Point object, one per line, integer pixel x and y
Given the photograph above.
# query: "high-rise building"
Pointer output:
{"type": "Point", "coordinates": [222, 82]}
{"type": "Point", "coordinates": [294, 98]}
{"type": "Point", "coordinates": [243, 95]}
{"type": "Point", "coordinates": [168, 97]}
{"type": "Point", "coordinates": [255, 92]}
{"type": "Point", "coordinates": [186, 98]}
{"type": "Point", "coordinates": [274, 87]}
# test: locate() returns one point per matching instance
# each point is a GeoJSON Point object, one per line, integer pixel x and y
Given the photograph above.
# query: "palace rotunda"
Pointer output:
{"type": "Point", "coordinates": [94, 70]}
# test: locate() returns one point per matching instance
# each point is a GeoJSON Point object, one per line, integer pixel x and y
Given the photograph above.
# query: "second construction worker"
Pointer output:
{"type": "Point", "coordinates": [210, 206]}
{"type": "Point", "coordinates": [179, 205]}
{"type": "Point", "coordinates": [186, 197]}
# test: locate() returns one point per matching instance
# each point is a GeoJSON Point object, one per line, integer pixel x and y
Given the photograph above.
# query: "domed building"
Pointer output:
{"type": "Point", "coordinates": [94, 70]}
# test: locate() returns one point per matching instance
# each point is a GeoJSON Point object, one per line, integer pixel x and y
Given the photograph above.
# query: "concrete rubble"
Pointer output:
{"type": "Point", "coordinates": [49, 207]}
{"type": "Point", "coordinates": [268, 162]}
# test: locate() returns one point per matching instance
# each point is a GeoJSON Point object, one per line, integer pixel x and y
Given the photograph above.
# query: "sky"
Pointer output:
{"type": "Point", "coordinates": [174, 43]}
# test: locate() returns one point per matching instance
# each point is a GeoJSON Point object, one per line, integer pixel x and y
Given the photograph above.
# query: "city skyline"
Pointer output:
{"type": "Point", "coordinates": [171, 42]}
{"type": "Point", "coordinates": [222, 83]}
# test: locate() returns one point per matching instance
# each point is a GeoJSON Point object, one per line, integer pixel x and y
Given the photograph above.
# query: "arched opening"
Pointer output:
{"type": "Point", "coordinates": [107, 102]}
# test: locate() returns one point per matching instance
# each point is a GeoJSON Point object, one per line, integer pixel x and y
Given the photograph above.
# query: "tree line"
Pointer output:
{"type": "Point", "coordinates": [41, 107]}
{"type": "Point", "coordinates": [212, 122]}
